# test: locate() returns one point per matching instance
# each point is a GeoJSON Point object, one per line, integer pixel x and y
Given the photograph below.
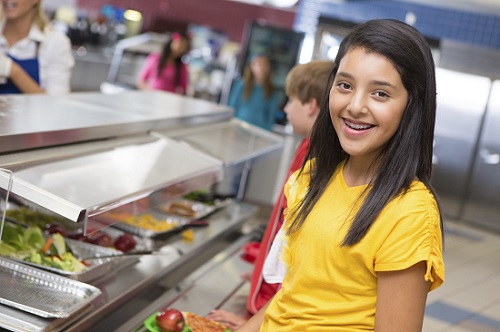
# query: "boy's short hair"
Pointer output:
{"type": "Point", "coordinates": [309, 80]}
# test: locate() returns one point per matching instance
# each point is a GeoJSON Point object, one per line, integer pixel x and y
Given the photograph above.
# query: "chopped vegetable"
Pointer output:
{"type": "Point", "coordinates": [47, 245]}
{"type": "Point", "coordinates": [59, 244]}
{"type": "Point", "coordinates": [30, 245]}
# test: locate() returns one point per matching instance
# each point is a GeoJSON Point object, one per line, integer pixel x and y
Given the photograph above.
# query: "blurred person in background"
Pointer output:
{"type": "Point", "coordinates": [254, 98]}
{"type": "Point", "coordinates": [167, 71]}
{"type": "Point", "coordinates": [34, 57]}
{"type": "Point", "coordinates": [305, 85]}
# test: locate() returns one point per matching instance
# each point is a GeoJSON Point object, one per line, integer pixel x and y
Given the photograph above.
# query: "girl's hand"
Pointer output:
{"type": "Point", "coordinates": [227, 318]}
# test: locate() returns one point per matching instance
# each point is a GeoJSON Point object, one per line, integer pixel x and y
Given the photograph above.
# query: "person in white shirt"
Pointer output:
{"type": "Point", "coordinates": [34, 57]}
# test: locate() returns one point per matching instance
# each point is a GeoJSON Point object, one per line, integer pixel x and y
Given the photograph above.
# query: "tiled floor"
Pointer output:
{"type": "Point", "coordinates": [469, 300]}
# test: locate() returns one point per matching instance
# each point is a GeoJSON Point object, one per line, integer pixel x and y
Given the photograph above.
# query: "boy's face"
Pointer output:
{"type": "Point", "coordinates": [299, 116]}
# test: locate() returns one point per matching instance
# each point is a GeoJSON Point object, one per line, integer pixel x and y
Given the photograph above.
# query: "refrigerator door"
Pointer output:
{"type": "Point", "coordinates": [461, 102]}
{"type": "Point", "coordinates": [482, 206]}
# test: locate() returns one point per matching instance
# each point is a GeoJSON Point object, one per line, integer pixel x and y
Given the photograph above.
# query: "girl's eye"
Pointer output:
{"type": "Point", "coordinates": [381, 94]}
{"type": "Point", "coordinates": [344, 86]}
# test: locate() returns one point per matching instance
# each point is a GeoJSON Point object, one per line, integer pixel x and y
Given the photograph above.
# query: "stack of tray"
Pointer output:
{"type": "Point", "coordinates": [40, 293]}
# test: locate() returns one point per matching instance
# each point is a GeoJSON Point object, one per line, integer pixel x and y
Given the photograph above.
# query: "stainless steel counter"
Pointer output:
{"type": "Point", "coordinates": [151, 277]}
{"type": "Point", "coordinates": [34, 121]}
{"type": "Point", "coordinates": [116, 150]}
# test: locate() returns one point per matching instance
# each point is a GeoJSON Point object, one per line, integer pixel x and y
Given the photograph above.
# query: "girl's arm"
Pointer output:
{"type": "Point", "coordinates": [254, 323]}
{"type": "Point", "coordinates": [272, 111]}
{"type": "Point", "coordinates": [235, 95]}
{"type": "Point", "coordinates": [184, 79]}
{"type": "Point", "coordinates": [147, 69]}
{"type": "Point", "coordinates": [401, 298]}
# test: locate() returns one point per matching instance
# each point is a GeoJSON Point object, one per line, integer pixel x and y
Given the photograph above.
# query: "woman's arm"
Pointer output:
{"type": "Point", "coordinates": [254, 323]}
{"type": "Point", "coordinates": [56, 61]}
{"type": "Point", "coordinates": [401, 298]}
{"type": "Point", "coordinates": [23, 81]}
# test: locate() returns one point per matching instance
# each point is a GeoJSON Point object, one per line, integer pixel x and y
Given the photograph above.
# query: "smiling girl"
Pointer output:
{"type": "Point", "coordinates": [34, 58]}
{"type": "Point", "coordinates": [362, 238]}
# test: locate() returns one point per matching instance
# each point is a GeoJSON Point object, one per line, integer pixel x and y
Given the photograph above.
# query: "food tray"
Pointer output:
{"type": "Point", "coordinates": [150, 324]}
{"type": "Point", "coordinates": [41, 220]}
{"type": "Point", "coordinates": [149, 233]}
{"type": "Point", "coordinates": [40, 292]}
{"type": "Point", "coordinates": [200, 210]}
{"type": "Point", "coordinates": [142, 243]}
{"type": "Point", "coordinates": [98, 267]}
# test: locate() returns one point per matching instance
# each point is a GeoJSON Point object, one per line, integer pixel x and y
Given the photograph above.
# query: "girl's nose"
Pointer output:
{"type": "Point", "coordinates": [358, 104]}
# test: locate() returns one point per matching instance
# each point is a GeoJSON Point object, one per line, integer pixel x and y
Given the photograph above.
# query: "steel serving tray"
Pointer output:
{"type": "Point", "coordinates": [97, 267]}
{"type": "Point", "coordinates": [161, 212]}
{"type": "Point", "coordinates": [40, 292]}
{"type": "Point", "coordinates": [150, 233]}
{"type": "Point", "coordinates": [44, 219]}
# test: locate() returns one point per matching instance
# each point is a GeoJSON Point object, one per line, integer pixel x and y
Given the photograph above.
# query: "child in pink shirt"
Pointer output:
{"type": "Point", "coordinates": [166, 71]}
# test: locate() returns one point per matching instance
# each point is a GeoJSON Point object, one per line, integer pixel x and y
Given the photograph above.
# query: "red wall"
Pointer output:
{"type": "Point", "coordinates": [224, 15]}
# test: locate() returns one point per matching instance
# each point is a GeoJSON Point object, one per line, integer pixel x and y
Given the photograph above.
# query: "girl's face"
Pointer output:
{"type": "Point", "coordinates": [179, 47]}
{"type": "Point", "coordinates": [367, 101]}
{"type": "Point", "coordinates": [15, 9]}
{"type": "Point", "coordinates": [260, 68]}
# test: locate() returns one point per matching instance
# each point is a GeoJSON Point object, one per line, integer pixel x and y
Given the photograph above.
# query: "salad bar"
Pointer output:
{"type": "Point", "coordinates": [112, 210]}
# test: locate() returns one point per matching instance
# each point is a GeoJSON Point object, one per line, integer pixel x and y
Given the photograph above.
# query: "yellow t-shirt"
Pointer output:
{"type": "Point", "coordinates": [329, 287]}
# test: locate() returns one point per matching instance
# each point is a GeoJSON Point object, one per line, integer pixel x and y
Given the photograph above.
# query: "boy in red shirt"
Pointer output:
{"type": "Point", "coordinates": [306, 86]}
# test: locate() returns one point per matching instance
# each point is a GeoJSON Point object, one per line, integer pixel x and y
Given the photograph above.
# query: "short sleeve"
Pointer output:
{"type": "Point", "coordinates": [272, 111]}
{"type": "Point", "coordinates": [148, 67]}
{"type": "Point", "coordinates": [295, 190]}
{"type": "Point", "coordinates": [235, 95]}
{"type": "Point", "coordinates": [56, 60]}
{"type": "Point", "coordinates": [414, 237]}
{"type": "Point", "coordinates": [274, 268]}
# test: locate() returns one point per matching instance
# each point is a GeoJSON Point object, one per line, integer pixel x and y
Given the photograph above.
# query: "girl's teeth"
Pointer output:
{"type": "Point", "coordinates": [356, 126]}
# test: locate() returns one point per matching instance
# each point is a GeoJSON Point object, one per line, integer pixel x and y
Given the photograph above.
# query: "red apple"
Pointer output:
{"type": "Point", "coordinates": [170, 320]}
{"type": "Point", "coordinates": [125, 242]}
{"type": "Point", "coordinates": [56, 228]}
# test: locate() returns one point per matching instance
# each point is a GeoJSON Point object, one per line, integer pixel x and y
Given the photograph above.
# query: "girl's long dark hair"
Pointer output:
{"type": "Point", "coordinates": [165, 55]}
{"type": "Point", "coordinates": [408, 154]}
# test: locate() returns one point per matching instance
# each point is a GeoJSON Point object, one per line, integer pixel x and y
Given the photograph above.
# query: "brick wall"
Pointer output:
{"type": "Point", "coordinates": [228, 16]}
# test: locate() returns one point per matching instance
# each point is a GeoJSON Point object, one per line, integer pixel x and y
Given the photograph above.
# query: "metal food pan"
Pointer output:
{"type": "Point", "coordinates": [199, 210]}
{"type": "Point", "coordinates": [149, 233]}
{"type": "Point", "coordinates": [98, 267]}
{"type": "Point", "coordinates": [160, 212]}
{"type": "Point", "coordinates": [142, 243]}
{"type": "Point", "coordinates": [42, 293]}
